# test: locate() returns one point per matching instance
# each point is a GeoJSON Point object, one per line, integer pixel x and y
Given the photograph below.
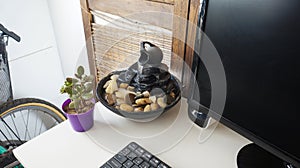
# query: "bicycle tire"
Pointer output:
{"type": "Point", "coordinates": [17, 108]}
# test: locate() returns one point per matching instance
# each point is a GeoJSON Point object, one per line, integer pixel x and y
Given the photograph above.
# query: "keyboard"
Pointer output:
{"type": "Point", "coordinates": [134, 156]}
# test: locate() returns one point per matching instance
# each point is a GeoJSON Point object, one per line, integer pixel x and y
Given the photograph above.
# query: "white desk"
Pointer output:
{"type": "Point", "coordinates": [63, 147]}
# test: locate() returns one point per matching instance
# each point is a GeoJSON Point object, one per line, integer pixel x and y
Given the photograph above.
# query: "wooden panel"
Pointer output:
{"type": "Point", "coordinates": [87, 18]}
{"type": "Point", "coordinates": [132, 9]}
{"type": "Point", "coordinates": [179, 36]}
{"type": "Point", "coordinates": [184, 33]}
{"type": "Point", "coordinates": [179, 12]}
{"type": "Point", "coordinates": [163, 1]}
{"type": "Point", "coordinates": [190, 43]}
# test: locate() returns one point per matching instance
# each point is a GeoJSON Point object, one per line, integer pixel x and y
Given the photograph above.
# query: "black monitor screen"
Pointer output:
{"type": "Point", "coordinates": [259, 45]}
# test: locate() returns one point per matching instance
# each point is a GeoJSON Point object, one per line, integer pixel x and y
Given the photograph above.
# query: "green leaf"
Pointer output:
{"type": "Point", "coordinates": [77, 85]}
{"type": "Point", "coordinates": [73, 97]}
{"type": "Point", "coordinates": [89, 78]}
{"type": "Point", "coordinates": [79, 88]}
{"type": "Point", "coordinates": [88, 87]}
{"type": "Point", "coordinates": [69, 80]}
{"type": "Point", "coordinates": [68, 83]}
{"type": "Point", "coordinates": [68, 90]}
{"type": "Point", "coordinates": [80, 70]}
{"type": "Point", "coordinates": [76, 104]}
{"type": "Point", "coordinates": [87, 96]}
{"type": "Point", "coordinates": [74, 92]}
{"type": "Point", "coordinates": [74, 81]}
{"type": "Point", "coordinates": [72, 105]}
{"type": "Point", "coordinates": [77, 76]}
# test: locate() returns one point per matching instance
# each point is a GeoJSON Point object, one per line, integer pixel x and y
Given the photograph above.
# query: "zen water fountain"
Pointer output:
{"type": "Point", "coordinates": [144, 91]}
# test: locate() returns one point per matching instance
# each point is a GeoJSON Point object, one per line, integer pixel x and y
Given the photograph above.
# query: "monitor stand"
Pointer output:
{"type": "Point", "coordinates": [251, 156]}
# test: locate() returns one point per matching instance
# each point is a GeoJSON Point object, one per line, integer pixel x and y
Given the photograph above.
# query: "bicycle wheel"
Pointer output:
{"type": "Point", "coordinates": [24, 119]}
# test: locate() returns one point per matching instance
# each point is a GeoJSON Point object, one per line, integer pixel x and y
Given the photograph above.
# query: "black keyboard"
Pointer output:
{"type": "Point", "coordinates": [134, 156]}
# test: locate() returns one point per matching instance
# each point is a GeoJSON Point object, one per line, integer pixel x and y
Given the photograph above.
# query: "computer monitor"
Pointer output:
{"type": "Point", "coordinates": [258, 42]}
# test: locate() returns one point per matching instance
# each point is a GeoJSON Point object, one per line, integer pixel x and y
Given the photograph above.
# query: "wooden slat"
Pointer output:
{"type": "Point", "coordinates": [134, 9]}
{"type": "Point", "coordinates": [190, 43]}
{"type": "Point", "coordinates": [179, 36]}
{"type": "Point", "coordinates": [163, 1]}
{"type": "Point", "coordinates": [87, 18]}
{"type": "Point", "coordinates": [114, 49]}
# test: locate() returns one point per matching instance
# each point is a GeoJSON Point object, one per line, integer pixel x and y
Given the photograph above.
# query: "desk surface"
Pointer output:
{"type": "Point", "coordinates": [63, 147]}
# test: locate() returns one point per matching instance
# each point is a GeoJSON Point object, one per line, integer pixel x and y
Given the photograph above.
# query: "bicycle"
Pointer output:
{"type": "Point", "coordinates": [20, 119]}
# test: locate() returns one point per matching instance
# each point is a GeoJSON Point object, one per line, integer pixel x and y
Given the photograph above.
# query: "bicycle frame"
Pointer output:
{"type": "Point", "coordinates": [4, 63]}
{"type": "Point", "coordinates": [4, 67]}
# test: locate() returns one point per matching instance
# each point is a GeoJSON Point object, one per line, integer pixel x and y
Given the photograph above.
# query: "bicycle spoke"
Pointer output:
{"type": "Point", "coordinates": [5, 136]}
{"type": "Point", "coordinates": [11, 138]}
{"type": "Point", "coordinates": [26, 127]}
{"type": "Point", "coordinates": [28, 114]}
{"type": "Point", "coordinates": [23, 122]}
{"type": "Point", "coordinates": [11, 116]}
{"type": "Point", "coordinates": [11, 130]}
{"type": "Point", "coordinates": [42, 121]}
{"type": "Point", "coordinates": [5, 127]}
{"type": "Point", "coordinates": [35, 123]}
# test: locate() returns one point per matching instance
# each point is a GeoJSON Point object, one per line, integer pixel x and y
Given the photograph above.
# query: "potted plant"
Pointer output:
{"type": "Point", "coordinates": [79, 108]}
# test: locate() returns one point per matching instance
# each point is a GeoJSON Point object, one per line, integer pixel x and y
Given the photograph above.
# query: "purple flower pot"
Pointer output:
{"type": "Point", "coordinates": [80, 122]}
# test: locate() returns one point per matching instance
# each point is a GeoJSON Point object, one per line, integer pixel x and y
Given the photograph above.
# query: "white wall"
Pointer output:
{"type": "Point", "coordinates": [68, 27]}
{"type": "Point", "coordinates": [52, 45]}
{"type": "Point", "coordinates": [35, 65]}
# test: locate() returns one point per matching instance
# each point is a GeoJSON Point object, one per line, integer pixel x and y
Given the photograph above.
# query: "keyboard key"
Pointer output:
{"type": "Point", "coordinates": [105, 166]}
{"type": "Point", "coordinates": [139, 151]}
{"type": "Point", "coordinates": [154, 162]}
{"type": "Point", "coordinates": [147, 156]}
{"type": "Point", "coordinates": [144, 165]}
{"type": "Point", "coordinates": [132, 146]}
{"type": "Point", "coordinates": [138, 161]}
{"type": "Point", "coordinates": [128, 164]}
{"type": "Point", "coordinates": [162, 166]}
{"type": "Point", "coordinates": [120, 158]}
{"type": "Point", "coordinates": [125, 151]}
{"type": "Point", "coordinates": [114, 163]}
{"type": "Point", "coordinates": [134, 166]}
{"type": "Point", "coordinates": [131, 156]}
